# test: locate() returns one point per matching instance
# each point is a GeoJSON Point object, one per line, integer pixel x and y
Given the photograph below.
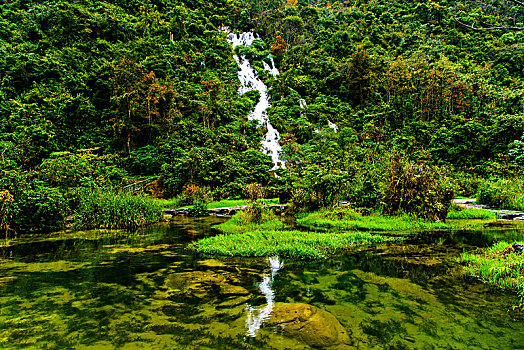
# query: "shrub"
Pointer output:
{"type": "Point", "coordinates": [417, 188]}
{"type": "Point", "coordinates": [6, 202]}
{"type": "Point", "coordinates": [502, 193]}
{"type": "Point", "coordinates": [38, 210]}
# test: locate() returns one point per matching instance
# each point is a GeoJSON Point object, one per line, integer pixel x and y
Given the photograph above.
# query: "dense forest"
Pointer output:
{"type": "Point", "coordinates": [95, 94]}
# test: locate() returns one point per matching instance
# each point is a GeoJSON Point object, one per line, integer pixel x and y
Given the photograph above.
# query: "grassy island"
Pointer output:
{"type": "Point", "coordinates": [299, 244]}
{"type": "Point", "coordinates": [500, 265]}
{"type": "Point", "coordinates": [348, 219]}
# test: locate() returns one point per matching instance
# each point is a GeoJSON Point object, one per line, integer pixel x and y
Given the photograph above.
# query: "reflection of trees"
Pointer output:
{"type": "Point", "coordinates": [258, 315]}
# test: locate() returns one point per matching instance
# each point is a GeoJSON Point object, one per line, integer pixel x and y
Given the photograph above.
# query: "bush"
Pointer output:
{"type": "Point", "coordinates": [39, 210]}
{"type": "Point", "coordinates": [256, 212]}
{"type": "Point", "coordinates": [418, 189]}
{"type": "Point", "coordinates": [6, 202]}
{"type": "Point", "coordinates": [502, 193]}
{"type": "Point", "coordinates": [115, 211]}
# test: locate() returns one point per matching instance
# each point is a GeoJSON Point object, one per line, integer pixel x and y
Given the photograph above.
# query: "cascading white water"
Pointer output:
{"type": "Point", "coordinates": [250, 81]}
{"type": "Point", "coordinates": [256, 316]}
{"type": "Point", "coordinates": [303, 106]}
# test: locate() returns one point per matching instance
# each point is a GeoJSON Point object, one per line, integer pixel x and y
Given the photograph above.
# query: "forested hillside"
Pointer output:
{"type": "Point", "coordinates": [94, 93]}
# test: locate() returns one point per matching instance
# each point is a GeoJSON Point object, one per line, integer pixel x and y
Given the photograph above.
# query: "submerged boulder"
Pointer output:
{"type": "Point", "coordinates": [203, 285]}
{"type": "Point", "coordinates": [308, 324]}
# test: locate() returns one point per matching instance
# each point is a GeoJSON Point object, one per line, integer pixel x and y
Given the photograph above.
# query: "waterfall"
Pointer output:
{"type": "Point", "coordinates": [258, 315]}
{"type": "Point", "coordinates": [250, 81]}
{"type": "Point", "coordinates": [303, 106]}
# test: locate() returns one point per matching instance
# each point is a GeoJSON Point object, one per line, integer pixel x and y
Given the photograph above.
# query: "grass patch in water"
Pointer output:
{"type": "Point", "coordinates": [344, 218]}
{"type": "Point", "coordinates": [235, 226]}
{"type": "Point", "coordinates": [297, 244]}
{"type": "Point", "coordinates": [498, 265]}
{"type": "Point", "coordinates": [115, 210]}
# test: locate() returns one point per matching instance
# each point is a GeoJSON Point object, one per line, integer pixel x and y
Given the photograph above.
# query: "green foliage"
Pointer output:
{"type": "Point", "coordinates": [199, 209]}
{"type": "Point", "coordinates": [498, 265]}
{"type": "Point", "coordinates": [113, 210]}
{"type": "Point", "coordinates": [223, 203]}
{"type": "Point", "coordinates": [345, 218]}
{"type": "Point", "coordinates": [153, 87]}
{"type": "Point", "coordinates": [83, 168]}
{"type": "Point", "coordinates": [241, 223]}
{"type": "Point", "coordinates": [296, 244]}
{"type": "Point", "coordinates": [460, 213]}
{"type": "Point", "coordinates": [6, 201]}
{"type": "Point", "coordinates": [517, 152]}
{"type": "Point", "coordinates": [502, 193]}
{"type": "Point", "coordinates": [146, 160]}
{"type": "Point", "coordinates": [417, 188]}
{"type": "Point", "coordinates": [38, 210]}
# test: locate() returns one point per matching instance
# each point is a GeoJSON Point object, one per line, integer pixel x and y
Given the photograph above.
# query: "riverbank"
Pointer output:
{"type": "Point", "coordinates": [500, 265]}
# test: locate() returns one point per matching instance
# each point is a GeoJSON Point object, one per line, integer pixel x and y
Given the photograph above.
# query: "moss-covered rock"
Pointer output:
{"type": "Point", "coordinates": [313, 326]}
{"type": "Point", "coordinates": [203, 284]}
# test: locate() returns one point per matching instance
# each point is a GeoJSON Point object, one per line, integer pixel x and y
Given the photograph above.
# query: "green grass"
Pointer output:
{"type": "Point", "coordinates": [296, 244]}
{"type": "Point", "coordinates": [496, 266]}
{"type": "Point", "coordinates": [247, 220]}
{"type": "Point", "coordinates": [177, 202]}
{"type": "Point", "coordinates": [471, 213]}
{"type": "Point", "coordinates": [348, 219]}
{"type": "Point", "coordinates": [235, 226]}
{"type": "Point", "coordinates": [502, 193]}
{"type": "Point", "coordinates": [169, 203]}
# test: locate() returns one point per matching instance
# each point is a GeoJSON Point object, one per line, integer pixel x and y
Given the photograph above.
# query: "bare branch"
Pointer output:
{"type": "Point", "coordinates": [517, 2]}
{"type": "Point", "coordinates": [488, 27]}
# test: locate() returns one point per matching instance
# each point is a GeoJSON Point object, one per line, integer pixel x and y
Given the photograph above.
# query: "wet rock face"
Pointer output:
{"type": "Point", "coordinates": [315, 327]}
{"type": "Point", "coordinates": [203, 285]}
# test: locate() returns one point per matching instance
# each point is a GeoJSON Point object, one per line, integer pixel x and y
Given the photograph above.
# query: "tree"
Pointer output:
{"type": "Point", "coordinates": [480, 25]}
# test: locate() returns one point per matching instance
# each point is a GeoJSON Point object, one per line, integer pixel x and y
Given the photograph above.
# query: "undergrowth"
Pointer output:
{"type": "Point", "coordinates": [498, 265]}
{"type": "Point", "coordinates": [114, 210]}
{"type": "Point", "coordinates": [256, 216]}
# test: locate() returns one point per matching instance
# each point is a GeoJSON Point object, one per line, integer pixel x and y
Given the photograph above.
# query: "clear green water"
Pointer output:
{"type": "Point", "coordinates": [106, 291]}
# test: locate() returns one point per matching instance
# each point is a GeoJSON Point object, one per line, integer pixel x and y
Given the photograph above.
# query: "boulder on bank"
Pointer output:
{"type": "Point", "coordinates": [308, 324]}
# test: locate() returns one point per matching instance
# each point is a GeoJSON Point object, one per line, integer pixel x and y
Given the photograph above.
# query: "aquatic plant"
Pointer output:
{"type": "Point", "coordinates": [113, 210]}
{"type": "Point", "coordinates": [345, 218]}
{"type": "Point", "coordinates": [298, 244]}
{"type": "Point", "coordinates": [501, 265]}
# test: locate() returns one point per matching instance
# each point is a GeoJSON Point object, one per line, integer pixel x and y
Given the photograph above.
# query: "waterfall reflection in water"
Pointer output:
{"type": "Point", "coordinates": [258, 315]}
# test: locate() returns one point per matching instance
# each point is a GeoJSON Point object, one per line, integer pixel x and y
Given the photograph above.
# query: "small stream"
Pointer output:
{"type": "Point", "coordinates": [107, 290]}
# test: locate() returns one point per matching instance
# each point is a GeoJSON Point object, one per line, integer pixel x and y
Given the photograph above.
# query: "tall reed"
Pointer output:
{"type": "Point", "coordinates": [115, 210]}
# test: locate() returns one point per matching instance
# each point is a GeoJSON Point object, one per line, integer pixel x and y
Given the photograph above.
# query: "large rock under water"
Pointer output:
{"type": "Point", "coordinates": [203, 285]}
{"type": "Point", "coordinates": [309, 324]}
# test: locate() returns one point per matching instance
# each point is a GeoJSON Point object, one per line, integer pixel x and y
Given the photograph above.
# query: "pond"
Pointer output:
{"type": "Point", "coordinates": [106, 290]}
